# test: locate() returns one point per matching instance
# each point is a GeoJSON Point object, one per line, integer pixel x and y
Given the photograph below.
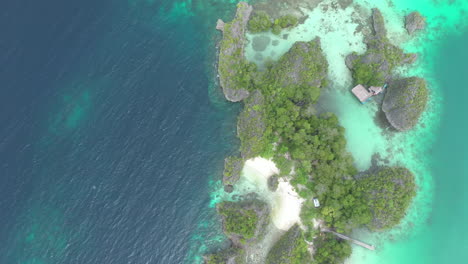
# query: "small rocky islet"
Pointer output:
{"type": "Point", "coordinates": [278, 122]}
{"type": "Point", "coordinates": [414, 22]}
{"type": "Point", "coordinates": [405, 98]}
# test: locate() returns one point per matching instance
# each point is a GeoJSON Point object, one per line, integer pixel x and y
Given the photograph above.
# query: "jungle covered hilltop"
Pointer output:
{"type": "Point", "coordinates": [299, 150]}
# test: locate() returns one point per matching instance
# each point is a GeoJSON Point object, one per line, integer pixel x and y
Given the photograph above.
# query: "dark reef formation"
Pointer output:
{"type": "Point", "coordinates": [414, 22]}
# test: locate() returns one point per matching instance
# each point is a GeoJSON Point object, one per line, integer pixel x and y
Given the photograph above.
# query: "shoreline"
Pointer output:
{"type": "Point", "coordinates": [285, 202]}
{"type": "Point", "coordinates": [259, 168]}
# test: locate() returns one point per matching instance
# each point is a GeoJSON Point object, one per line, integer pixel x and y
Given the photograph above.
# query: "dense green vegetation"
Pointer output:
{"type": "Point", "coordinates": [251, 125]}
{"type": "Point", "coordinates": [375, 66]}
{"type": "Point", "coordinates": [287, 21]}
{"type": "Point", "coordinates": [291, 248]}
{"type": "Point", "coordinates": [282, 163]}
{"type": "Point", "coordinates": [270, 107]}
{"type": "Point", "coordinates": [329, 249]}
{"type": "Point", "coordinates": [232, 169]}
{"type": "Point", "coordinates": [238, 220]}
{"type": "Point", "coordinates": [261, 22]}
{"type": "Point", "coordinates": [215, 259]}
{"type": "Point", "coordinates": [418, 101]}
{"type": "Point", "coordinates": [367, 74]}
{"type": "Point", "coordinates": [222, 257]}
{"type": "Point", "coordinates": [300, 73]}
{"type": "Point", "coordinates": [388, 192]}
{"type": "Point", "coordinates": [245, 221]}
{"type": "Point", "coordinates": [315, 144]}
{"type": "Point", "coordinates": [381, 58]}
{"type": "Point", "coordinates": [323, 168]}
{"type": "Point", "coordinates": [405, 101]}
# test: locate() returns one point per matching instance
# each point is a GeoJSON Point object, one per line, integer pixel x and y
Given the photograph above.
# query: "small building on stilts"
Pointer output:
{"type": "Point", "coordinates": [362, 94]}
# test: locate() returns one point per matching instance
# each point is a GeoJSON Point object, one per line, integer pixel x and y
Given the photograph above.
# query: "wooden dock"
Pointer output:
{"type": "Point", "coordinates": [362, 94]}
{"type": "Point", "coordinates": [357, 242]}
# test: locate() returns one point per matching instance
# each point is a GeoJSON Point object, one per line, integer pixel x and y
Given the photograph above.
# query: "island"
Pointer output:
{"type": "Point", "coordinates": [304, 150]}
{"type": "Point", "coordinates": [406, 98]}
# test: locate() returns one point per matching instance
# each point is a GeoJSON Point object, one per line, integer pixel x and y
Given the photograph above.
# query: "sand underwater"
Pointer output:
{"type": "Point", "coordinates": [429, 233]}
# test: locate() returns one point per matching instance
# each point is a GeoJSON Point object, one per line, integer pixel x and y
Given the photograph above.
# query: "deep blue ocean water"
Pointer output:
{"type": "Point", "coordinates": [112, 132]}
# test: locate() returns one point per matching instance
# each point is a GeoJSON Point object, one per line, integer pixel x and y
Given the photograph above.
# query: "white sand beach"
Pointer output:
{"type": "Point", "coordinates": [285, 202]}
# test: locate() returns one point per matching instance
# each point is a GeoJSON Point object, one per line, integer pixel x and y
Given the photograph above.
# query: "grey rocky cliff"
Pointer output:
{"type": "Point", "coordinates": [220, 25]}
{"type": "Point", "coordinates": [231, 53]}
{"type": "Point", "coordinates": [283, 249]}
{"type": "Point", "coordinates": [351, 59]}
{"type": "Point", "coordinates": [235, 95]}
{"type": "Point", "coordinates": [414, 22]}
{"type": "Point", "coordinates": [273, 182]}
{"type": "Point", "coordinates": [404, 102]}
{"type": "Point", "coordinates": [232, 171]}
{"type": "Point", "coordinates": [380, 58]}
{"type": "Point", "coordinates": [262, 211]}
{"type": "Point", "coordinates": [303, 64]}
{"type": "Point", "coordinates": [378, 24]}
{"type": "Point", "coordinates": [235, 254]}
{"type": "Point", "coordinates": [251, 125]}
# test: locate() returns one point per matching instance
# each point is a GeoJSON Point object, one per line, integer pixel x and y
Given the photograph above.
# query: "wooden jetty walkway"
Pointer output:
{"type": "Point", "coordinates": [357, 242]}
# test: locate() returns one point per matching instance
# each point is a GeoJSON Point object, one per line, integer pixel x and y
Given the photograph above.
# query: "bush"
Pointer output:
{"type": "Point", "coordinates": [388, 193]}
{"type": "Point", "coordinates": [260, 22]}
{"type": "Point", "coordinates": [291, 248]}
{"type": "Point", "coordinates": [367, 74]}
{"type": "Point", "coordinates": [330, 249]}
{"type": "Point", "coordinates": [276, 29]}
{"type": "Point", "coordinates": [237, 220]}
{"type": "Point", "coordinates": [283, 164]}
{"type": "Point", "coordinates": [286, 21]}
